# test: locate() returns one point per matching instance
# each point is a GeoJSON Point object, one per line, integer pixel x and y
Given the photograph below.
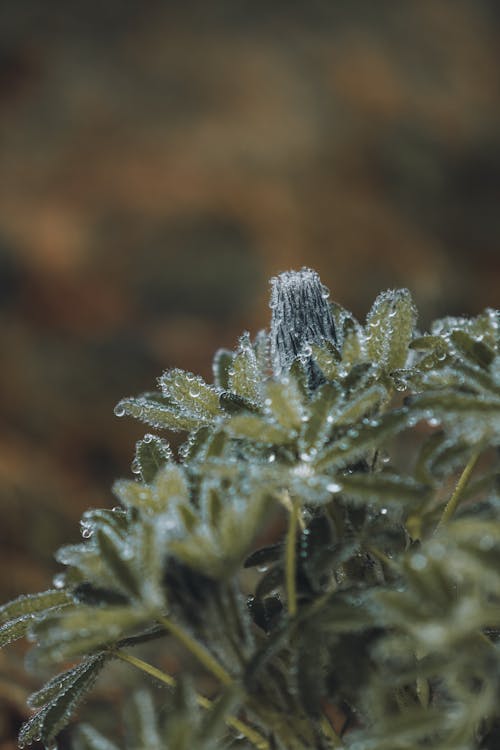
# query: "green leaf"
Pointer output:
{"type": "Point", "coordinates": [64, 693]}
{"type": "Point", "coordinates": [476, 352]}
{"type": "Point", "coordinates": [155, 413]}
{"type": "Point", "coordinates": [256, 428]}
{"type": "Point", "coordinates": [370, 435]}
{"type": "Point", "coordinates": [190, 393]}
{"type": "Point", "coordinates": [474, 418]}
{"type": "Point", "coordinates": [151, 454]}
{"type": "Point", "coordinates": [14, 629]}
{"type": "Point", "coordinates": [30, 604]}
{"type": "Point", "coordinates": [353, 346]}
{"type": "Point", "coordinates": [389, 329]}
{"type": "Point", "coordinates": [385, 488]}
{"type": "Point", "coordinates": [231, 403]}
{"type": "Point", "coordinates": [356, 406]}
{"type": "Point", "coordinates": [245, 378]}
{"type": "Point", "coordinates": [319, 422]}
{"type": "Point", "coordinates": [81, 631]}
{"type": "Point", "coordinates": [327, 357]}
{"type": "Point", "coordinates": [115, 555]}
{"type": "Point", "coordinates": [222, 366]}
{"type": "Point", "coordinates": [215, 549]}
{"type": "Point", "coordinates": [283, 403]}
{"type": "Point", "coordinates": [170, 484]}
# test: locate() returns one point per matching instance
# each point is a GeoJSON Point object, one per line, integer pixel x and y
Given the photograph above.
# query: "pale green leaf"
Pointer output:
{"type": "Point", "coordinates": [151, 454]}
{"type": "Point", "coordinates": [65, 693]}
{"type": "Point", "coordinates": [157, 414]}
{"type": "Point", "coordinates": [245, 378]}
{"type": "Point", "coordinates": [256, 428]}
{"type": "Point", "coordinates": [389, 329]}
{"type": "Point", "coordinates": [190, 393]}
{"type": "Point", "coordinates": [283, 402]}
{"type": "Point", "coordinates": [29, 604]}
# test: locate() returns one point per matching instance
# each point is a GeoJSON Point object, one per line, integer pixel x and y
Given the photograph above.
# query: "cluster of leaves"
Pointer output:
{"type": "Point", "coordinates": [370, 619]}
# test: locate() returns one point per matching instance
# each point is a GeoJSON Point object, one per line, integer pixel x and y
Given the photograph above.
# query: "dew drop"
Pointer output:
{"type": "Point", "coordinates": [262, 568]}
{"type": "Point", "coordinates": [135, 466]}
{"type": "Point", "coordinates": [418, 561]}
{"type": "Point", "coordinates": [433, 422]}
{"type": "Point", "coordinates": [119, 410]}
{"type": "Point", "coordinates": [86, 529]}
{"type": "Point", "coordinates": [334, 487]}
{"type": "Point", "coordinates": [383, 511]}
{"type": "Point", "coordinates": [59, 580]}
{"type": "Point", "coordinates": [148, 438]}
{"type": "Point", "coordinates": [272, 458]}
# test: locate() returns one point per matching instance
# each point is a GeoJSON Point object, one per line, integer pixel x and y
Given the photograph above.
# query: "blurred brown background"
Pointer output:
{"type": "Point", "coordinates": [160, 160]}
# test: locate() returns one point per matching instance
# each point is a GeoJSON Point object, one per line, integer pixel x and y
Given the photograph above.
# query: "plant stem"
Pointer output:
{"type": "Point", "coordinates": [251, 734]}
{"type": "Point", "coordinates": [197, 650]}
{"type": "Point", "coordinates": [145, 667]}
{"type": "Point", "coordinates": [290, 562]}
{"type": "Point", "coordinates": [454, 500]}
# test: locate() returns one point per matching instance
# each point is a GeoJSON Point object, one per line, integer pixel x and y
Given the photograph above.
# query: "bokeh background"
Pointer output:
{"type": "Point", "coordinates": [160, 160]}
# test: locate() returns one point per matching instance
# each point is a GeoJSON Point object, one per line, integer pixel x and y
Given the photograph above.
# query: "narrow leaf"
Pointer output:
{"type": "Point", "coordinates": [151, 454]}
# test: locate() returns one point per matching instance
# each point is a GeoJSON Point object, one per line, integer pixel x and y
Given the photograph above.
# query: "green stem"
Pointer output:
{"type": "Point", "coordinates": [197, 650]}
{"type": "Point", "coordinates": [239, 726]}
{"type": "Point", "coordinates": [290, 562]}
{"type": "Point", "coordinates": [454, 500]}
{"type": "Point", "coordinates": [145, 667]}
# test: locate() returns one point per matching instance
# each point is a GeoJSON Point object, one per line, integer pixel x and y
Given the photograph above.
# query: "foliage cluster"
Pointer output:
{"type": "Point", "coordinates": [326, 544]}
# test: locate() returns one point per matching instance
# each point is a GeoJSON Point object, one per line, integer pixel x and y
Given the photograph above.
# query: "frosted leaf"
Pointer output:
{"type": "Point", "coordinates": [62, 696]}
{"type": "Point", "coordinates": [28, 604]}
{"type": "Point", "coordinates": [318, 426]}
{"type": "Point", "coordinates": [389, 328]}
{"type": "Point", "coordinates": [370, 436]}
{"type": "Point", "coordinates": [245, 376]}
{"type": "Point", "coordinates": [190, 393]}
{"type": "Point", "coordinates": [82, 630]}
{"type": "Point", "coordinates": [222, 366]}
{"type": "Point", "coordinates": [256, 428]}
{"type": "Point", "coordinates": [284, 402]}
{"type": "Point", "coordinates": [354, 408]}
{"type": "Point", "coordinates": [151, 453]}
{"type": "Point", "coordinates": [328, 359]}
{"type": "Point", "coordinates": [155, 412]}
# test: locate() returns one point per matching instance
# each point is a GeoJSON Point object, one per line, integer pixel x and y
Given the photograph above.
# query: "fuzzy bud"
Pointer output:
{"type": "Point", "coordinates": [301, 316]}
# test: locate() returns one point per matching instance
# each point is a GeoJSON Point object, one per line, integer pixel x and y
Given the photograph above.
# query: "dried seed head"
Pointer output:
{"type": "Point", "coordinates": [301, 316]}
